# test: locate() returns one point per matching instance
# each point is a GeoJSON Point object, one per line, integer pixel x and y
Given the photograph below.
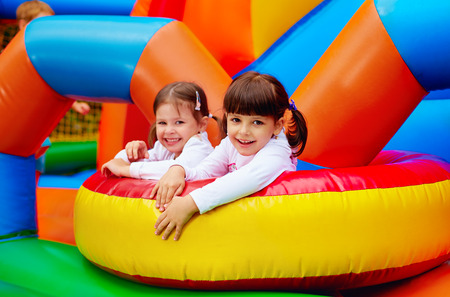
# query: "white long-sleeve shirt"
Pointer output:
{"type": "Point", "coordinates": [239, 175]}
{"type": "Point", "coordinates": [194, 151]}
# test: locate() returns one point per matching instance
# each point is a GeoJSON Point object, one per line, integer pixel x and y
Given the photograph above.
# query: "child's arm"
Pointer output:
{"type": "Point", "coordinates": [272, 160]}
{"type": "Point", "coordinates": [173, 182]}
{"type": "Point", "coordinates": [266, 166]}
{"type": "Point", "coordinates": [194, 151]}
{"type": "Point", "coordinates": [179, 212]}
{"type": "Point", "coordinates": [117, 167]}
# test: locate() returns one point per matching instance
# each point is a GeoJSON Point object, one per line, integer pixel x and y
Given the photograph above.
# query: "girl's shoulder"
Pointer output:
{"type": "Point", "coordinates": [197, 137]}
{"type": "Point", "coordinates": [279, 139]}
{"type": "Point", "coordinates": [200, 137]}
{"type": "Point", "coordinates": [199, 141]}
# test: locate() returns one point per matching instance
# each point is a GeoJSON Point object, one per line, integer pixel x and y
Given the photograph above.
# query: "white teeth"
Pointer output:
{"type": "Point", "coordinates": [245, 141]}
{"type": "Point", "coordinates": [172, 139]}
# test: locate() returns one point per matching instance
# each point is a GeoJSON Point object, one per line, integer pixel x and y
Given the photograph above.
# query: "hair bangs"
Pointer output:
{"type": "Point", "coordinates": [252, 98]}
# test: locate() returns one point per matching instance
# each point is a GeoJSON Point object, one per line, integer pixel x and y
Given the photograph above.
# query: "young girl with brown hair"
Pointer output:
{"type": "Point", "coordinates": [181, 111]}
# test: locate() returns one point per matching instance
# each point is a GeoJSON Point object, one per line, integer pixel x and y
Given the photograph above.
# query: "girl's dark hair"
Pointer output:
{"type": "Point", "coordinates": [177, 93]}
{"type": "Point", "coordinates": [252, 93]}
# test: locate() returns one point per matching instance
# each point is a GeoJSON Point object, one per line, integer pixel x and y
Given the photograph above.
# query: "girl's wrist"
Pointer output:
{"type": "Point", "coordinates": [126, 171]}
{"type": "Point", "coordinates": [178, 169]}
{"type": "Point", "coordinates": [192, 206]}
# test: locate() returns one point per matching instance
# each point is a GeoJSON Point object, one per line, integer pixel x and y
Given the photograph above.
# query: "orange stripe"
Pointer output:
{"type": "Point", "coordinates": [224, 27]}
{"type": "Point", "coordinates": [112, 126]}
{"type": "Point", "coordinates": [357, 95]}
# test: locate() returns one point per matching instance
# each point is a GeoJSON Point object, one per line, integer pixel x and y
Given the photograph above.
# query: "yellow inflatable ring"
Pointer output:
{"type": "Point", "coordinates": [323, 229]}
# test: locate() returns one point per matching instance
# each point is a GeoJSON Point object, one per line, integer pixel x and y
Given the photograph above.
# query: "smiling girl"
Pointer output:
{"type": "Point", "coordinates": [255, 152]}
{"type": "Point", "coordinates": [181, 112]}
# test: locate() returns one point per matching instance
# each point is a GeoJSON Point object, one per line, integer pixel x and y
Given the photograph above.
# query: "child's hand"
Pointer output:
{"type": "Point", "coordinates": [171, 184]}
{"type": "Point", "coordinates": [118, 167]}
{"type": "Point", "coordinates": [81, 107]}
{"type": "Point", "coordinates": [178, 213]}
{"type": "Point", "coordinates": [136, 150]}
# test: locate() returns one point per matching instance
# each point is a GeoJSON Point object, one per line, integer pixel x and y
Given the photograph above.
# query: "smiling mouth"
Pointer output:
{"type": "Point", "coordinates": [172, 140]}
{"type": "Point", "coordinates": [245, 141]}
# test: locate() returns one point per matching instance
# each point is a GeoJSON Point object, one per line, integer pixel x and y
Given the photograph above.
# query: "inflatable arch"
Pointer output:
{"type": "Point", "coordinates": [131, 68]}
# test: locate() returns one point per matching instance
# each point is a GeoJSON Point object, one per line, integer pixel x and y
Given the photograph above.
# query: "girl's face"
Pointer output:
{"type": "Point", "coordinates": [250, 133]}
{"type": "Point", "coordinates": [175, 125]}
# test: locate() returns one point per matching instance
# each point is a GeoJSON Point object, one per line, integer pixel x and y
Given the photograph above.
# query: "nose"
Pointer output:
{"type": "Point", "coordinates": [244, 129]}
{"type": "Point", "coordinates": [170, 128]}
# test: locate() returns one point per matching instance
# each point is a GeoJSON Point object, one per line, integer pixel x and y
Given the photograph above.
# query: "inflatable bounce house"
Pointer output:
{"type": "Point", "coordinates": [365, 214]}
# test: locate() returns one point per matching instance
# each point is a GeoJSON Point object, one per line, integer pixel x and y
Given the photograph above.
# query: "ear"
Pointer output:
{"type": "Point", "coordinates": [278, 126]}
{"type": "Point", "coordinates": [21, 23]}
{"type": "Point", "coordinates": [203, 124]}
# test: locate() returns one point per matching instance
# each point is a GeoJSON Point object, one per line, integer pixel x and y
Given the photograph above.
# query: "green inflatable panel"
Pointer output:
{"type": "Point", "coordinates": [69, 157]}
{"type": "Point", "coordinates": [40, 268]}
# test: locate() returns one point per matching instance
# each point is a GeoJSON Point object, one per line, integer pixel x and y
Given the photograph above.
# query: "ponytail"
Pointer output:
{"type": "Point", "coordinates": [296, 132]}
{"type": "Point", "coordinates": [152, 136]}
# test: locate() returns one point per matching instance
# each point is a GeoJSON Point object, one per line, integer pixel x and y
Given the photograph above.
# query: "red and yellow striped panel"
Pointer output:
{"type": "Point", "coordinates": [324, 229]}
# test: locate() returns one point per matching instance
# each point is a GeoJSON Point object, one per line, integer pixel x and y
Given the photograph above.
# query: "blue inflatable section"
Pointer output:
{"type": "Point", "coordinates": [420, 33]}
{"type": "Point", "coordinates": [74, 181]}
{"type": "Point", "coordinates": [427, 130]}
{"type": "Point", "coordinates": [91, 63]}
{"type": "Point", "coordinates": [292, 56]}
{"type": "Point", "coordinates": [17, 197]}
{"type": "Point", "coordinates": [93, 7]}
